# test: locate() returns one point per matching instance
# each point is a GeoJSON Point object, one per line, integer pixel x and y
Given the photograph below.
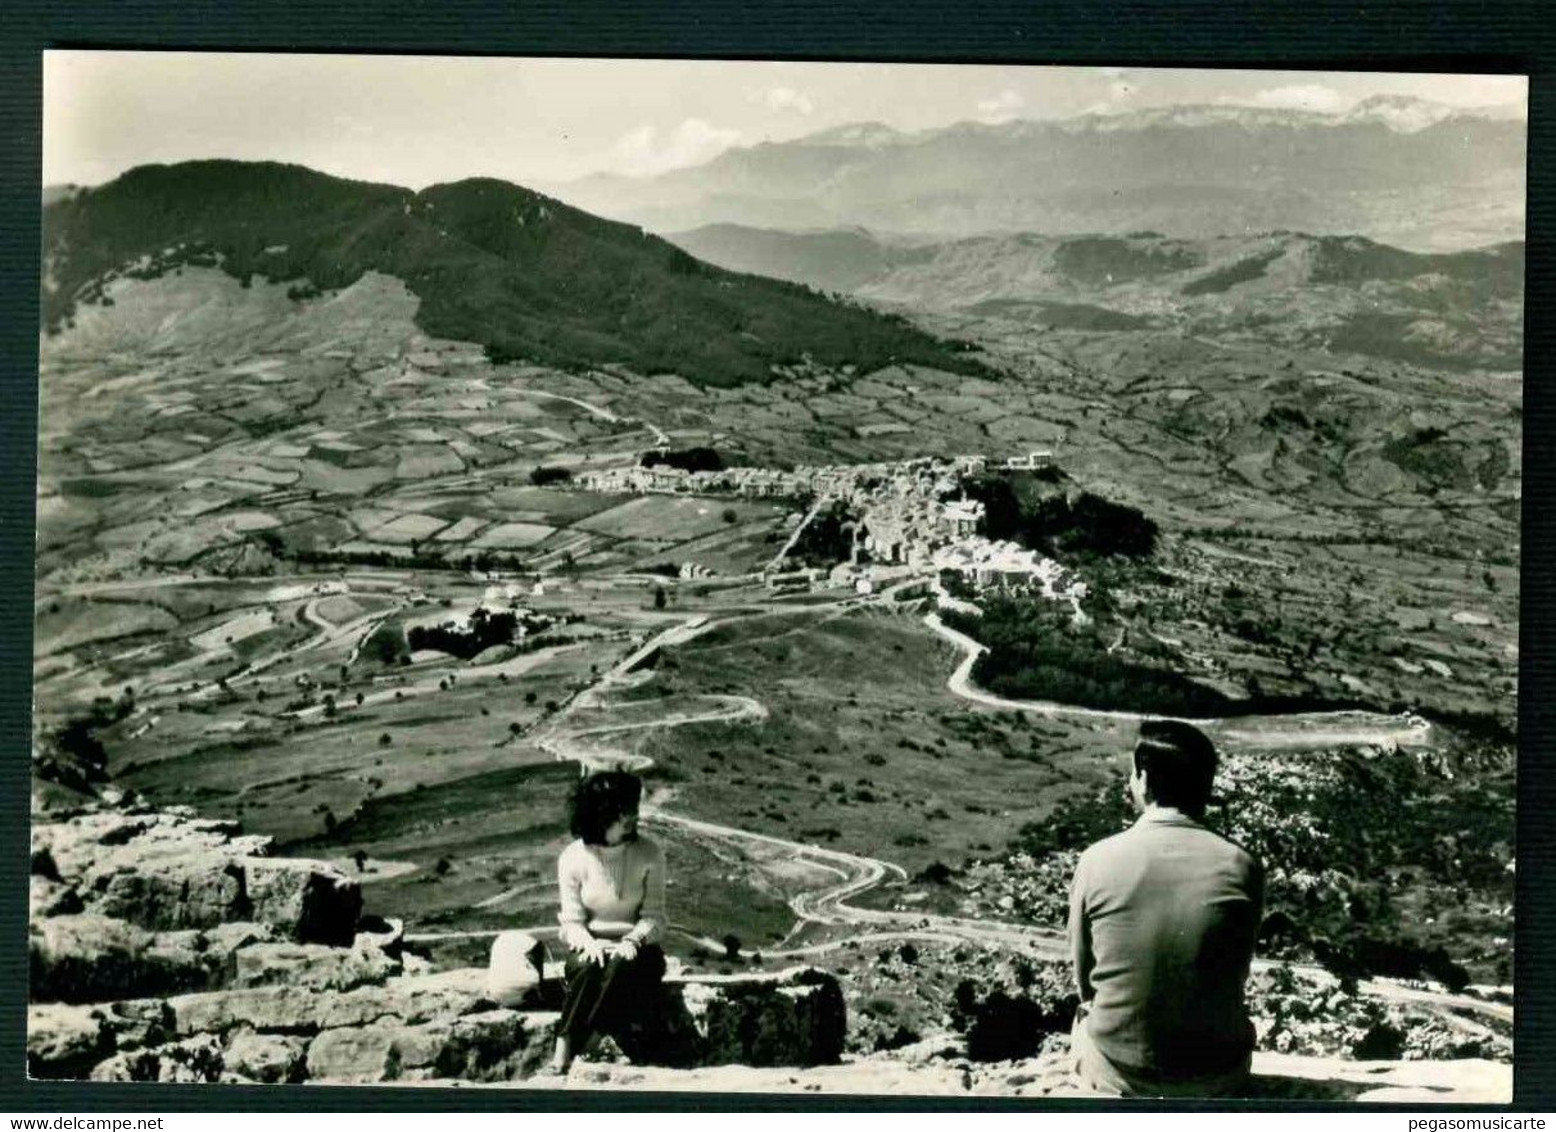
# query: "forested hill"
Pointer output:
{"type": "Point", "coordinates": [491, 262]}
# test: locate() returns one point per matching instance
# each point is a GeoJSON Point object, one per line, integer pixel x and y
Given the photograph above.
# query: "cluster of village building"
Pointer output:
{"type": "Point", "coordinates": [829, 481]}
{"type": "Point", "coordinates": [910, 518]}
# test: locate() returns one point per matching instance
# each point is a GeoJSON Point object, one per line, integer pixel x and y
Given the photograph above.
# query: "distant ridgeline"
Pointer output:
{"type": "Point", "coordinates": [491, 262]}
{"type": "Point", "coordinates": [1457, 310]}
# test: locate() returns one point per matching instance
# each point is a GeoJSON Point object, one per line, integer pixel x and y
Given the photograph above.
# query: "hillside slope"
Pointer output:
{"type": "Point", "coordinates": [491, 262]}
{"type": "Point", "coordinates": [1459, 310]}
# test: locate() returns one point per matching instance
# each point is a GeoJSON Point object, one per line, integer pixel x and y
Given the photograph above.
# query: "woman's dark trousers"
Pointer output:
{"type": "Point", "coordinates": [610, 997]}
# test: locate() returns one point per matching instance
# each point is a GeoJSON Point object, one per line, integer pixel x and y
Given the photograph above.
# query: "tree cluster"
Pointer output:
{"type": "Point", "coordinates": [1018, 508]}
{"type": "Point", "coordinates": [484, 630]}
{"type": "Point", "coordinates": [696, 459]}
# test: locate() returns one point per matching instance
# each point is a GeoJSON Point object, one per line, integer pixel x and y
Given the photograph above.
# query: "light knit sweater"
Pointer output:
{"type": "Point", "coordinates": [611, 892]}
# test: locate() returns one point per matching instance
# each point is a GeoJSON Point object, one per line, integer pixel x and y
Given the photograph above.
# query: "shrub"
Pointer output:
{"type": "Point", "coordinates": [698, 459]}
{"type": "Point", "coordinates": [545, 475]}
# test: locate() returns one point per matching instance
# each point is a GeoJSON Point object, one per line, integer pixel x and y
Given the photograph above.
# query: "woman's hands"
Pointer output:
{"type": "Point", "coordinates": [597, 950]}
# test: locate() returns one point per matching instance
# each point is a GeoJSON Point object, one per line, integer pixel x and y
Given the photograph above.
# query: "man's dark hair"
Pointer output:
{"type": "Point", "coordinates": [599, 800]}
{"type": "Point", "coordinates": [1179, 764]}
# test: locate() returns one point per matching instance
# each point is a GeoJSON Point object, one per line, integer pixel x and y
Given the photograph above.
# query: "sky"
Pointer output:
{"type": "Point", "coordinates": [418, 120]}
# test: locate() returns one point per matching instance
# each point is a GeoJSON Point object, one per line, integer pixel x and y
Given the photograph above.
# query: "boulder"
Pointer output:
{"type": "Point", "coordinates": [141, 1065]}
{"type": "Point", "coordinates": [360, 1054]}
{"type": "Point", "coordinates": [94, 958]}
{"type": "Point", "coordinates": [307, 901]}
{"type": "Point", "coordinates": [93, 847]}
{"type": "Point", "coordinates": [205, 960]}
{"type": "Point", "coordinates": [269, 1059]}
{"type": "Point", "coordinates": [385, 934]}
{"type": "Point", "coordinates": [172, 894]}
{"type": "Point", "coordinates": [496, 1045]}
{"type": "Point", "coordinates": [304, 1010]}
{"type": "Point", "coordinates": [279, 1009]}
{"type": "Point", "coordinates": [89, 958]}
{"type": "Point", "coordinates": [138, 1023]}
{"type": "Point", "coordinates": [238, 934]}
{"type": "Point", "coordinates": [197, 1060]}
{"type": "Point", "coordinates": [65, 1041]}
{"type": "Point", "coordinates": [797, 1017]}
{"type": "Point", "coordinates": [313, 965]}
{"type": "Point", "coordinates": [194, 1060]}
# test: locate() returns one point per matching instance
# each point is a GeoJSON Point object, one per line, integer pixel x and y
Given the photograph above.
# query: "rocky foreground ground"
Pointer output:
{"type": "Point", "coordinates": [168, 947]}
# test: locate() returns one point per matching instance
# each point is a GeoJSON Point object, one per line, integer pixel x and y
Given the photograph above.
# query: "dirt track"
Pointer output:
{"type": "Point", "coordinates": [858, 874]}
{"type": "Point", "coordinates": [1297, 730]}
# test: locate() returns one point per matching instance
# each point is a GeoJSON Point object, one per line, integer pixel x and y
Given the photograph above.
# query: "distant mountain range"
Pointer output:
{"type": "Point", "coordinates": [491, 262]}
{"type": "Point", "coordinates": [1398, 170]}
{"type": "Point", "coordinates": [1457, 311]}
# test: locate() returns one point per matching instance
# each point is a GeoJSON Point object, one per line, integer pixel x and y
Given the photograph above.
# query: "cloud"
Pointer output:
{"type": "Point", "coordinates": [787, 98]}
{"type": "Point", "coordinates": [645, 151]}
{"type": "Point", "coordinates": [1001, 108]}
{"type": "Point", "coordinates": [1310, 96]}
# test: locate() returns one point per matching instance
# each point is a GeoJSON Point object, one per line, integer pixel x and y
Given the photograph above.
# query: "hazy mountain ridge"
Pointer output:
{"type": "Point", "coordinates": [491, 262]}
{"type": "Point", "coordinates": [1400, 171]}
{"type": "Point", "coordinates": [1458, 311]}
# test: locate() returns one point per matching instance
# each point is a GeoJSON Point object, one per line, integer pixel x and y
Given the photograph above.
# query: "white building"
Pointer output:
{"type": "Point", "coordinates": [962, 516]}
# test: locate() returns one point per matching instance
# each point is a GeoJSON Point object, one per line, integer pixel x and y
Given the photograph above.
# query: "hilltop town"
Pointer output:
{"type": "Point", "coordinates": [904, 519]}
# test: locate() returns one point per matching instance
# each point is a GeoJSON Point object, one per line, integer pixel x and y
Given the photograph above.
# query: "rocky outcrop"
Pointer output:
{"type": "Point", "coordinates": [165, 871]}
{"type": "Point", "coordinates": [492, 1045]}
{"type": "Point", "coordinates": [66, 1041]}
{"type": "Point", "coordinates": [414, 1028]}
{"type": "Point", "coordinates": [311, 902]}
{"type": "Point", "coordinates": [91, 958]}
{"type": "Point", "coordinates": [270, 1059]}
{"type": "Point", "coordinates": [796, 1018]}
{"type": "Point", "coordinates": [312, 966]}
{"type": "Point", "coordinates": [164, 947]}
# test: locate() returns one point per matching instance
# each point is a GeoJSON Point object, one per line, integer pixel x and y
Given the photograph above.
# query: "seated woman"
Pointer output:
{"type": "Point", "coordinates": [612, 885]}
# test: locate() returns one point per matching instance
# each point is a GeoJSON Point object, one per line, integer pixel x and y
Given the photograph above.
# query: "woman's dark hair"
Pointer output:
{"type": "Point", "coordinates": [1179, 764]}
{"type": "Point", "coordinates": [599, 800]}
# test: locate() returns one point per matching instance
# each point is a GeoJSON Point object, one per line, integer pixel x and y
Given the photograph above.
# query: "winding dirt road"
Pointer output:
{"type": "Point", "coordinates": [856, 874]}
{"type": "Point", "coordinates": [1301, 729]}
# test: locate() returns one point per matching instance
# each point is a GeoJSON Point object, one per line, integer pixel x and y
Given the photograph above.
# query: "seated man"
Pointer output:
{"type": "Point", "coordinates": [1163, 919]}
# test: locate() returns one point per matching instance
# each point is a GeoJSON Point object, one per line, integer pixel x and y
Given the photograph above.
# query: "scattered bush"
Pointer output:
{"type": "Point", "coordinates": [544, 475]}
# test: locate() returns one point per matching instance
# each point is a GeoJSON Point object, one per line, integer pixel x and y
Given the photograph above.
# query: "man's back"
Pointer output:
{"type": "Point", "coordinates": [1163, 919]}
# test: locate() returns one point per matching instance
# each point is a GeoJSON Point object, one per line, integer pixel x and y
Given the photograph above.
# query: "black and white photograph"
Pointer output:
{"type": "Point", "coordinates": [768, 577]}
